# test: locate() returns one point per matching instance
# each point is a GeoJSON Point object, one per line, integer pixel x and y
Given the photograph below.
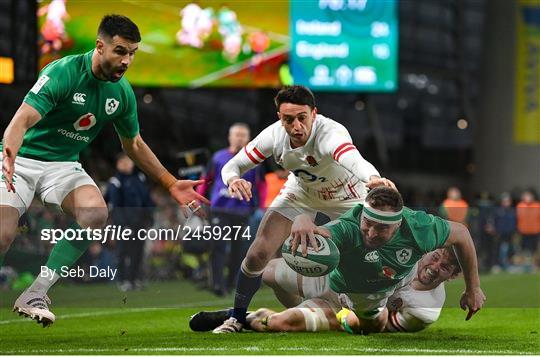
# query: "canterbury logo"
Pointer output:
{"type": "Point", "coordinates": [372, 256]}
{"type": "Point", "coordinates": [79, 98]}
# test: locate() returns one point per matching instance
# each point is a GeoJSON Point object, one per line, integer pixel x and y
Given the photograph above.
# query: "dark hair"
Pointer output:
{"type": "Point", "coordinates": [112, 25]}
{"type": "Point", "coordinates": [295, 95]}
{"type": "Point", "coordinates": [450, 255]}
{"type": "Point", "coordinates": [381, 197]}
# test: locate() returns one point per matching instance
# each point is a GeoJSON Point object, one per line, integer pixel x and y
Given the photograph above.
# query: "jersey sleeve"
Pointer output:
{"type": "Point", "coordinates": [253, 154]}
{"type": "Point", "coordinates": [338, 144]}
{"type": "Point", "coordinates": [344, 230]}
{"type": "Point", "coordinates": [341, 233]}
{"type": "Point", "coordinates": [127, 124]}
{"type": "Point", "coordinates": [51, 87]}
{"type": "Point", "coordinates": [430, 232]}
{"type": "Point", "coordinates": [411, 319]}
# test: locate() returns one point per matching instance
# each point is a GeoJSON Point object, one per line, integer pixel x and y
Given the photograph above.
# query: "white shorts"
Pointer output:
{"type": "Point", "coordinates": [50, 181]}
{"type": "Point", "coordinates": [294, 200]}
{"type": "Point", "coordinates": [365, 306]}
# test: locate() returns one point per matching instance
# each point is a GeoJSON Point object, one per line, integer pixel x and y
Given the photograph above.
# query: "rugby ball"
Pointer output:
{"type": "Point", "coordinates": [315, 263]}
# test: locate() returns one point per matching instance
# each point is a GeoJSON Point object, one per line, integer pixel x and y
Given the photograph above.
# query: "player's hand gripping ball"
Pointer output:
{"type": "Point", "coordinates": [315, 263]}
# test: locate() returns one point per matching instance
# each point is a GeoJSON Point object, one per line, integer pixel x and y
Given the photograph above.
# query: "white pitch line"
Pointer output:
{"type": "Point", "coordinates": [334, 350]}
{"type": "Point", "coordinates": [199, 82]}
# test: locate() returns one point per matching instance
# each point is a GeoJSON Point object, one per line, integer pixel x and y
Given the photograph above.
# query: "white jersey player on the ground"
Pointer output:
{"type": "Point", "coordinates": [328, 175]}
{"type": "Point", "coordinates": [414, 305]}
{"type": "Point", "coordinates": [417, 304]}
{"type": "Point", "coordinates": [411, 310]}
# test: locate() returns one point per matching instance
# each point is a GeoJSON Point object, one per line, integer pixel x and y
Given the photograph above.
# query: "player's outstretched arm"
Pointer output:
{"type": "Point", "coordinates": [183, 191]}
{"type": "Point", "coordinates": [25, 118]}
{"type": "Point", "coordinates": [473, 297]}
{"type": "Point", "coordinates": [350, 158]}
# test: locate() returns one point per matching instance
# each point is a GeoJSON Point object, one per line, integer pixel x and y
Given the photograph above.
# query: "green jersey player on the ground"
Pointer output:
{"type": "Point", "coordinates": [380, 242]}
{"type": "Point", "coordinates": [72, 100]}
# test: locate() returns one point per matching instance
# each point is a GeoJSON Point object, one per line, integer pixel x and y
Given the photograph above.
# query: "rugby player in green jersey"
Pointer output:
{"type": "Point", "coordinates": [400, 236]}
{"type": "Point", "coordinates": [72, 100]}
{"type": "Point", "coordinates": [379, 243]}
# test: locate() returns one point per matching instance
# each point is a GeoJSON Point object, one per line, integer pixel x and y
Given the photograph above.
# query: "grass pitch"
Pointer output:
{"type": "Point", "coordinates": [98, 319]}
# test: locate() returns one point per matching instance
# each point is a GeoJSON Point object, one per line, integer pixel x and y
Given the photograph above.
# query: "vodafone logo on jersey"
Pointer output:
{"type": "Point", "coordinates": [85, 122]}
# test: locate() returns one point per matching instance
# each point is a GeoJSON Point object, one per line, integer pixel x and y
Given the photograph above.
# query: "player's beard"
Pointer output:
{"type": "Point", "coordinates": [111, 72]}
{"type": "Point", "coordinates": [117, 74]}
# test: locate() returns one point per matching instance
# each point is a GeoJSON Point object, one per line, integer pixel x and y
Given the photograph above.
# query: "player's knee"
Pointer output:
{"type": "Point", "coordinates": [256, 260]}
{"type": "Point", "coordinates": [93, 218]}
{"type": "Point", "coordinates": [269, 274]}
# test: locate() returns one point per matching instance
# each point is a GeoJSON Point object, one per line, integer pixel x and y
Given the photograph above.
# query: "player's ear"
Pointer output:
{"type": "Point", "coordinates": [99, 45]}
{"type": "Point", "coordinates": [314, 111]}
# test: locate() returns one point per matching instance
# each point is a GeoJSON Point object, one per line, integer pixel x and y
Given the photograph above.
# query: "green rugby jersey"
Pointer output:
{"type": "Point", "coordinates": [361, 270]}
{"type": "Point", "coordinates": [74, 106]}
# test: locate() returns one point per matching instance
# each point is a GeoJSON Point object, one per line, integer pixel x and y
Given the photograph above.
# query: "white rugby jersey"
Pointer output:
{"type": "Point", "coordinates": [412, 310]}
{"type": "Point", "coordinates": [328, 166]}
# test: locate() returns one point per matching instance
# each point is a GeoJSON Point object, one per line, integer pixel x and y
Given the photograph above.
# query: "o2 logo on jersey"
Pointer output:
{"type": "Point", "coordinates": [308, 176]}
{"type": "Point", "coordinates": [85, 122]}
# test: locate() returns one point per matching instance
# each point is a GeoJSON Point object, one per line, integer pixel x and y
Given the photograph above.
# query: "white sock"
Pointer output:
{"type": "Point", "coordinates": [44, 281]}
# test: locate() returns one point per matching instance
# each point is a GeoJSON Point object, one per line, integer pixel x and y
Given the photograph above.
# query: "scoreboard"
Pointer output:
{"type": "Point", "coordinates": [344, 45]}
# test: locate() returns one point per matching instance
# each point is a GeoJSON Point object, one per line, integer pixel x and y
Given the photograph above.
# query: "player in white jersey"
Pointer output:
{"type": "Point", "coordinates": [328, 175]}
{"type": "Point", "coordinates": [416, 304]}
{"type": "Point", "coordinates": [312, 306]}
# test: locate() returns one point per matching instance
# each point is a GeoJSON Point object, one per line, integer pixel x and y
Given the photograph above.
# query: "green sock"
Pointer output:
{"type": "Point", "coordinates": [66, 252]}
{"type": "Point", "coordinates": [1, 260]}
